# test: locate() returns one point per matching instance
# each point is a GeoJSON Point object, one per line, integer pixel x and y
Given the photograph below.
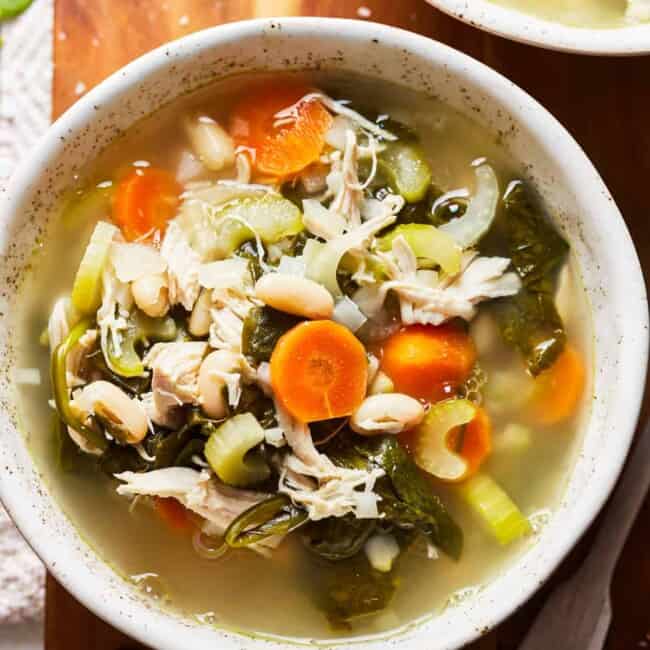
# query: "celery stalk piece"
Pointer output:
{"type": "Point", "coordinates": [220, 231]}
{"type": "Point", "coordinates": [407, 170]}
{"type": "Point", "coordinates": [493, 505]}
{"type": "Point", "coordinates": [228, 446]}
{"type": "Point", "coordinates": [428, 243]}
{"type": "Point", "coordinates": [87, 287]}
{"type": "Point", "coordinates": [431, 451]}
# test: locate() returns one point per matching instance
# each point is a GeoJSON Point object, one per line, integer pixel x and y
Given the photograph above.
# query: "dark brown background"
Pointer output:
{"type": "Point", "coordinates": [603, 102]}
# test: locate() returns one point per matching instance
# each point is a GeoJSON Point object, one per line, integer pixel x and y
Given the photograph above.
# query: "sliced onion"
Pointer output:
{"type": "Point", "coordinates": [481, 211]}
{"type": "Point", "coordinates": [134, 261]}
{"type": "Point", "coordinates": [348, 314]}
{"type": "Point", "coordinates": [323, 265]}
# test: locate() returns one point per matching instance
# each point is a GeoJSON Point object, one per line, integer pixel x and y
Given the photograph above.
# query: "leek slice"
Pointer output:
{"type": "Point", "coordinates": [406, 169]}
{"type": "Point", "coordinates": [128, 363]}
{"type": "Point", "coordinates": [432, 452]}
{"type": "Point", "coordinates": [480, 213]}
{"type": "Point", "coordinates": [228, 446]}
{"type": "Point", "coordinates": [58, 376]}
{"type": "Point", "coordinates": [428, 243]}
{"type": "Point", "coordinates": [142, 329]}
{"type": "Point", "coordinates": [274, 516]}
{"type": "Point", "coordinates": [493, 505]}
{"type": "Point", "coordinates": [87, 287]}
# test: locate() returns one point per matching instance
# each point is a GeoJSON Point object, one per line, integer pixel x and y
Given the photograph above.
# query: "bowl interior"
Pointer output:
{"type": "Point", "coordinates": [526, 28]}
{"type": "Point", "coordinates": [564, 177]}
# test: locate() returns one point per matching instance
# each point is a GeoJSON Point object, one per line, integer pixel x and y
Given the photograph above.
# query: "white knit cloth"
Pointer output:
{"type": "Point", "coordinates": [25, 112]}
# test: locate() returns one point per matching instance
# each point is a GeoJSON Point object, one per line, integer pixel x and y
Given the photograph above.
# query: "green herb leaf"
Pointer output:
{"type": "Point", "coordinates": [262, 329]}
{"type": "Point", "coordinates": [529, 320]}
{"type": "Point", "coordinates": [337, 538]}
{"type": "Point", "coordinates": [407, 498]}
{"type": "Point", "coordinates": [352, 589]}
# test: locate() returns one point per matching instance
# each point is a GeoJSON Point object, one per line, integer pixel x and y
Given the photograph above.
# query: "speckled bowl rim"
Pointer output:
{"type": "Point", "coordinates": [94, 583]}
{"type": "Point", "coordinates": [525, 28]}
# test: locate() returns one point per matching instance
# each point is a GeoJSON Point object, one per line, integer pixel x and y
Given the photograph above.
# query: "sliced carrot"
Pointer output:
{"type": "Point", "coordinates": [145, 200]}
{"type": "Point", "coordinates": [557, 390]}
{"type": "Point", "coordinates": [281, 148]}
{"type": "Point", "coordinates": [173, 513]}
{"type": "Point", "coordinates": [474, 441]}
{"type": "Point", "coordinates": [319, 371]}
{"type": "Point", "coordinates": [428, 362]}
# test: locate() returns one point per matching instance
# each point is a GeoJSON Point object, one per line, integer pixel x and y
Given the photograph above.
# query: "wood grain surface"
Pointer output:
{"type": "Point", "coordinates": [603, 102]}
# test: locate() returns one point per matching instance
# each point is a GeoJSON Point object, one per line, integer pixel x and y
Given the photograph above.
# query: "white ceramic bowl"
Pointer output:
{"type": "Point", "coordinates": [520, 26]}
{"type": "Point", "coordinates": [563, 175]}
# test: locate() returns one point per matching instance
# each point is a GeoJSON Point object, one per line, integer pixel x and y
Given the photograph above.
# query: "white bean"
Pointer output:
{"type": "Point", "coordinates": [381, 383]}
{"type": "Point", "coordinates": [212, 384]}
{"type": "Point", "coordinates": [201, 319]}
{"type": "Point", "coordinates": [295, 295]}
{"type": "Point", "coordinates": [212, 145]}
{"type": "Point", "coordinates": [387, 413]}
{"type": "Point", "coordinates": [151, 294]}
{"type": "Point", "coordinates": [125, 417]}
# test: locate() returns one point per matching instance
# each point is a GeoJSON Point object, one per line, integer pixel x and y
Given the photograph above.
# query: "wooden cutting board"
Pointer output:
{"type": "Point", "coordinates": [604, 102]}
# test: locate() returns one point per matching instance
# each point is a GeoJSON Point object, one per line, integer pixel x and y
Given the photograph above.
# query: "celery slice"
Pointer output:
{"type": "Point", "coordinates": [428, 243]}
{"type": "Point", "coordinates": [87, 287]}
{"type": "Point", "coordinates": [406, 169]}
{"type": "Point", "coordinates": [502, 516]}
{"type": "Point", "coordinates": [218, 234]}
{"type": "Point", "coordinates": [431, 451]}
{"type": "Point", "coordinates": [227, 449]}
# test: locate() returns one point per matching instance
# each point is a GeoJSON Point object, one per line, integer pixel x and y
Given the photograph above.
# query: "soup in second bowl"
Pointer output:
{"type": "Point", "coordinates": [596, 14]}
{"type": "Point", "coordinates": [316, 358]}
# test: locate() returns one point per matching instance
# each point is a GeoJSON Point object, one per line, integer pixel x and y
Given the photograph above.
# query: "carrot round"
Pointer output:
{"type": "Point", "coordinates": [319, 371]}
{"type": "Point", "coordinates": [173, 513]}
{"type": "Point", "coordinates": [280, 148]}
{"type": "Point", "coordinates": [558, 390]}
{"type": "Point", "coordinates": [474, 441]}
{"type": "Point", "coordinates": [428, 362]}
{"type": "Point", "coordinates": [145, 200]}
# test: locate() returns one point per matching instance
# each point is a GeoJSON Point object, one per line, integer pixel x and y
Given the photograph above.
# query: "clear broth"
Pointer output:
{"type": "Point", "coordinates": [246, 591]}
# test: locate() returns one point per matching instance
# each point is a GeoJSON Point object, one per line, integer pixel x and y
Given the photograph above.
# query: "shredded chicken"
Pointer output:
{"type": "Point", "coordinates": [198, 491]}
{"type": "Point", "coordinates": [289, 114]}
{"type": "Point", "coordinates": [113, 314]}
{"type": "Point", "coordinates": [344, 179]}
{"type": "Point", "coordinates": [174, 380]}
{"type": "Point", "coordinates": [311, 479]}
{"type": "Point", "coordinates": [182, 267]}
{"type": "Point", "coordinates": [428, 299]}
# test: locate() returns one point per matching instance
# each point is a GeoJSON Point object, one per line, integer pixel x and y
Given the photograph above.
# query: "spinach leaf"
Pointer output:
{"type": "Point", "coordinates": [254, 401]}
{"type": "Point", "coordinates": [407, 498]}
{"type": "Point", "coordinates": [337, 538]}
{"type": "Point", "coordinates": [262, 329]}
{"type": "Point", "coordinates": [529, 320]}
{"type": "Point", "coordinates": [121, 458]}
{"type": "Point", "coordinates": [536, 249]}
{"type": "Point", "coordinates": [350, 589]}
